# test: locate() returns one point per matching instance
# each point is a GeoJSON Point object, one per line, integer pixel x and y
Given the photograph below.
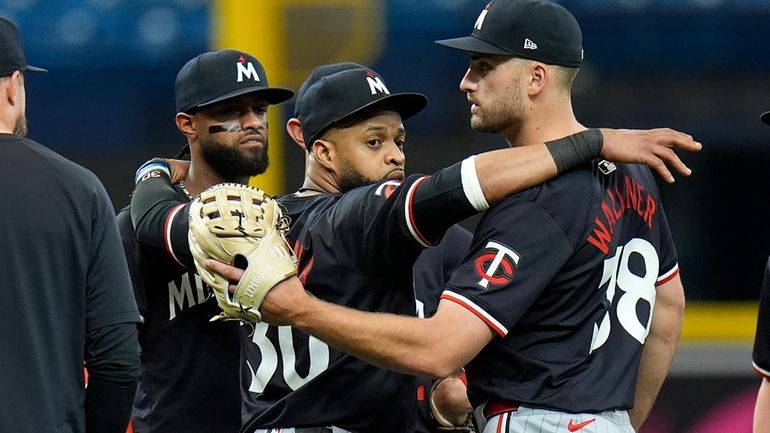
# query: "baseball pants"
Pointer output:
{"type": "Point", "coordinates": [303, 430]}
{"type": "Point", "coordinates": [528, 420]}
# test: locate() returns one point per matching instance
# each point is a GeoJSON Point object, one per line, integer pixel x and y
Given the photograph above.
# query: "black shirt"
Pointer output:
{"type": "Point", "coordinates": [64, 279]}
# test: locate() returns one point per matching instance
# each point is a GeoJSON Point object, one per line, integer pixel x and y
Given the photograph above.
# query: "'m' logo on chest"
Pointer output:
{"type": "Point", "coordinates": [182, 296]}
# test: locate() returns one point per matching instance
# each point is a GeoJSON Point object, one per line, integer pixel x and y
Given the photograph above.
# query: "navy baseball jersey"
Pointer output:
{"type": "Point", "coordinates": [432, 271]}
{"type": "Point", "coordinates": [189, 370]}
{"type": "Point", "coordinates": [566, 273]}
{"type": "Point", "coordinates": [355, 249]}
{"type": "Point", "coordinates": [761, 354]}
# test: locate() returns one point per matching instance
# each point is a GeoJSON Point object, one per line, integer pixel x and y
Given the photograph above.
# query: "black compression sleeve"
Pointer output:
{"type": "Point", "coordinates": [575, 149]}
{"type": "Point", "coordinates": [440, 202]}
{"type": "Point", "coordinates": [112, 360]}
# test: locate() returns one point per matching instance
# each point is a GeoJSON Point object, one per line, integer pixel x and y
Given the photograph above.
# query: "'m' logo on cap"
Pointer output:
{"type": "Point", "coordinates": [246, 69]}
{"type": "Point", "coordinates": [529, 45]}
{"type": "Point", "coordinates": [376, 85]}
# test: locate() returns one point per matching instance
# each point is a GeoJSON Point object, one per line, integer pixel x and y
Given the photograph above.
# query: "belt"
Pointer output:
{"type": "Point", "coordinates": [494, 408]}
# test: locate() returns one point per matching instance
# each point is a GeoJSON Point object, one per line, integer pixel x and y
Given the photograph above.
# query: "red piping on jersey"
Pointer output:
{"type": "Point", "coordinates": [489, 323]}
{"type": "Point", "coordinates": [410, 214]}
{"type": "Point", "coordinates": [760, 372]}
{"type": "Point", "coordinates": [668, 278]}
{"type": "Point", "coordinates": [167, 231]}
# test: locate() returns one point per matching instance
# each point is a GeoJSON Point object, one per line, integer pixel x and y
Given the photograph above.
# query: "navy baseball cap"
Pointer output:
{"type": "Point", "coordinates": [765, 117]}
{"type": "Point", "coordinates": [344, 94]}
{"type": "Point", "coordinates": [319, 72]}
{"type": "Point", "coordinates": [11, 54]}
{"type": "Point", "coordinates": [223, 74]}
{"type": "Point", "coordinates": [530, 29]}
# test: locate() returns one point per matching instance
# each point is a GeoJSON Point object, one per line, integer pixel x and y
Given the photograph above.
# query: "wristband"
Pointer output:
{"type": "Point", "coordinates": [576, 149]}
{"type": "Point", "coordinates": [152, 165]}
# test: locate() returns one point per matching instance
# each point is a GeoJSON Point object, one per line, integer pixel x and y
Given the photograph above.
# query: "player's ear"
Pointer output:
{"type": "Point", "coordinates": [323, 152]}
{"type": "Point", "coordinates": [537, 77]}
{"type": "Point", "coordinates": [14, 85]}
{"type": "Point", "coordinates": [184, 122]}
{"type": "Point", "coordinates": [294, 129]}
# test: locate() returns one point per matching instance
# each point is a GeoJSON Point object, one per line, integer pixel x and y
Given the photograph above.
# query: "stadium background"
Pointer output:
{"type": "Point", "coordinates": [701, 66]}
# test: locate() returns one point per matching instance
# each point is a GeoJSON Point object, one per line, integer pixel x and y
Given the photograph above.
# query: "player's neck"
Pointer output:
{"type": "Point", "coordinates": [318, 178]}
{"type": "Point", "coordinates": [201, 176]}
{"type": "Point", "coordinates": [544, 124]}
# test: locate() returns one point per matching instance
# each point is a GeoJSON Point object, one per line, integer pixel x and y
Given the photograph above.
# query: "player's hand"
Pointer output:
{"type": "Point", "coordinates": [449, 397]}
{"type": "Point", "coordinates": [281, 301]}
{"type": "Point", "coordinates": [179, 169]}
{"type": "Point", "coordinates": [653, 147]}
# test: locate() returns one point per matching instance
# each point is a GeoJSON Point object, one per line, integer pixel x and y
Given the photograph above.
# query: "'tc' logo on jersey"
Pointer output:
{"type": "Point", "coordinates": [496, 264]}
{"type": "Point", "coordinates": [247, 69]}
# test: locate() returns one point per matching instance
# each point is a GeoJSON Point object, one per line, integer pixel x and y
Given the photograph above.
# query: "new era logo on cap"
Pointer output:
{"type": "Point", "coordinates": [529, 45]}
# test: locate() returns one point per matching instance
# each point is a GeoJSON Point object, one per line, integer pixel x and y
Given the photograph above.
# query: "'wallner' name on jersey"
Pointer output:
{"type": "Point", "coordinates": [181, 297]}
{"type": "Point", "coordinates": [626, 195]}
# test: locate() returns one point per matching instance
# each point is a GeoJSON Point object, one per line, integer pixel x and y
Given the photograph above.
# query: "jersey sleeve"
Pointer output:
{"type": "Point", "coordinates": [761, 353]}
{"type": "Point", "coordinates": [516, 251]}
{"type": "Point", "coordinates": [388, 224]}
{"type": "Point", "coordinates": [159, 215]}
{"type": "Point", "coordinates": [669, 266]}
{"type": "Point", "coordinates": [109, 298]}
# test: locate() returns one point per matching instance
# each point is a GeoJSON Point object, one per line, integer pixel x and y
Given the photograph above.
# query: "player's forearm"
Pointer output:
{"type": "Point", "coordinates": [400, 343]}
{"type": "Point", "coordinates": [507, 171]}
{"type": "Point", "coordinates": [762, 408]}
{"type": "Point", "coordinates": [659, 349]}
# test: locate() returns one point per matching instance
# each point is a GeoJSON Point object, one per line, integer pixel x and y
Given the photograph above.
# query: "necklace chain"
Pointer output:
{"type": "Point", "coordinates": [184, 189]}
{"type": "Point", "coordinates": [305, 188]}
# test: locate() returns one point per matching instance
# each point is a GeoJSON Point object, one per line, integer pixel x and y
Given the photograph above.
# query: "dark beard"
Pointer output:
{"type": "Point", "coordinates": [230, 163]}
{"type": "Point", "coordinates": [20, 128]}
{"type": "Point", "coordinates": [351, 178]}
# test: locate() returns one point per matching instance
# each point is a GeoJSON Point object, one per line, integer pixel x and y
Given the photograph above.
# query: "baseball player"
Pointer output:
{"type": "Point", "coordinates": [346, 236]}
{"type": "Point", "coordinates": [66, 292]}
{"type": "Point", "coordinates": [189, 374]}
{"type": "Point", "coordinates": [432, 269]}
{"type": "Point", "coordinates": [761, 354]}
{"type": "Point", "coordinates": [567, 310]}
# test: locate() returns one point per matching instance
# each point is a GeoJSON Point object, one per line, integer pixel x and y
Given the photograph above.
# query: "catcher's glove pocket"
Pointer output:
{"type": "Point", "coordinates": [243, 226]}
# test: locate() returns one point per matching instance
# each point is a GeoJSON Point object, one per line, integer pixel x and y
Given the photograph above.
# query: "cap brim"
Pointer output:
{"type": "Point", "coordinates": [34, 69]}
{"type": "Point", "coordinates": [272, 95]}
{"type": "Point", "coordinates": [472, 45]}
{"type": "Point", "coordinates": [406, 104]}
{"type": "Point", "coordinates": [765, 117]}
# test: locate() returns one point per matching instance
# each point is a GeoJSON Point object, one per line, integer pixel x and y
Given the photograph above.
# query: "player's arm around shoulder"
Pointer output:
{"type": "Point", "coordinates": [659, 347]}
{"type": "Point", "coordinates": [437, 347]}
